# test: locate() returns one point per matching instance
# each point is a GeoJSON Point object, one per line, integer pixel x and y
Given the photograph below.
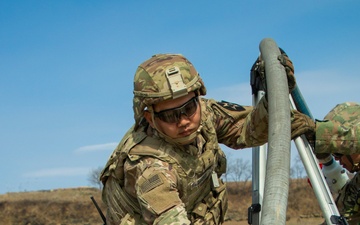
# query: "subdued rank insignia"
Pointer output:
{"type": "Point", "coordinates": [231, 106]}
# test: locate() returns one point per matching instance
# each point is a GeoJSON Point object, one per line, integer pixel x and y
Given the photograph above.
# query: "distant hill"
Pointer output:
{"type": "Point", "coordinates": [74, 206]}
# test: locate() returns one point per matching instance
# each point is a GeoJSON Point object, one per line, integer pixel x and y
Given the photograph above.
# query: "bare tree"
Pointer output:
{"type": "Point", "coordinates": [94, 177]}
{"type": "Point", "coordinates": [297, 170]}
{"type": "Point", "coordinates": [239, 170]}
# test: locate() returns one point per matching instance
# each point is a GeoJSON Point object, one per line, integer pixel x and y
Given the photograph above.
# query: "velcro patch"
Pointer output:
{"type": "Point", "coordinates": [151, 183]}
{"type": "Point", "coordinates": [231, 106]}
{"type": "Point", "coordinates": [162, 197]}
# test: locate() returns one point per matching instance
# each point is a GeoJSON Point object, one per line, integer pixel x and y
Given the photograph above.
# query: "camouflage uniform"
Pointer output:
{"type": "Point", "coordinates": [166, 193]}
{"type": "Point", "coordinates": [151, 179]}
{"type": "Point", "coordinates": [339, 132]}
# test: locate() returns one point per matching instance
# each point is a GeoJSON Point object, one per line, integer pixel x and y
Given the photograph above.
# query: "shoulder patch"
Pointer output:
{"type": "Point", "coordinates": [231, 106]}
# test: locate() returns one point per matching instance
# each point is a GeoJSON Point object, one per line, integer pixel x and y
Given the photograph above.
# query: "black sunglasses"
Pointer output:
{"type": "Point", "coordinates": [337, 155]}
{"type": "Point", "coordinates": [174, 115]}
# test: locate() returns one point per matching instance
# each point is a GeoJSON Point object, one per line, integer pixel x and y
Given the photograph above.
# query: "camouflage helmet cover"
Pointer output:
{"type": "Point", "coordinates": [162, 77]}
{"type": "Point", "coordinates": [347, 112]}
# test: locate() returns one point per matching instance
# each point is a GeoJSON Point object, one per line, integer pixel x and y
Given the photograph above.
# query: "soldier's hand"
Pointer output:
{"type": "Point", "coordinates": [289, 68]}
{"type": "Point", "coordinates": [258, 76]}
{"type": "Point", "coordinates": [302, 124]}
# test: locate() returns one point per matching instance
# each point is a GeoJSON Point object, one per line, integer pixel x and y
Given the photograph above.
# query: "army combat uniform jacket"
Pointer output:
{"type": "Point", "coordinates": [148, 180]}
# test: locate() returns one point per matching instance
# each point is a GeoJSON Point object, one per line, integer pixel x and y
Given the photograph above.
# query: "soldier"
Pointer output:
{"type": "Point", "coordinates": [339, 133]}
{"type": "Point", "coordinates": [167, 168]}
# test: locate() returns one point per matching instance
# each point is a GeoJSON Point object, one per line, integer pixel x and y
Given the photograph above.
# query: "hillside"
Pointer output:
{"type": "Point", "coordinates": [74, 206]}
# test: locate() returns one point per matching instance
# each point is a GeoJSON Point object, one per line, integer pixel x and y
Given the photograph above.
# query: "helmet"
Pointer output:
{"type": "Point", "coordinates": [346, 115]}
{"type": "Point", "coordinates": [162, 77]}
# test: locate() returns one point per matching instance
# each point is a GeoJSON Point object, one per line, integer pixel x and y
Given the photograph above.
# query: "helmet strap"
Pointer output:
{"type": "Point", "coordinates": [355, 166]}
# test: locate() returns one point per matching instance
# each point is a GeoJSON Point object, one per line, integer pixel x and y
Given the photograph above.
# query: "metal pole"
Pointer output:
{"type": "Point", "coordinates": [278, 161]}
{"type": "Point", "coordinates": [311, 165]}
{"type": "Point", "coordinates": [258, 175]}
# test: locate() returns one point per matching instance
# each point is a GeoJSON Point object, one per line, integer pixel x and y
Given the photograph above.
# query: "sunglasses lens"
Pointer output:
{"type": "Point", "coordinates": [174, 115]}
{"type": "Point", "coordinates": [190, 108]}
{"type": "Point", "coordinates": [337, 155]}
{"type": "Point", "coordinates": [168, 116]}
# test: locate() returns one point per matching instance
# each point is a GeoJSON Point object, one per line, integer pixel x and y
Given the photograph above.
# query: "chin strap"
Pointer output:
{"type": "Point", "coordinates": [355, 166]}
{"type": "Point", "coordinates": [185, 140]}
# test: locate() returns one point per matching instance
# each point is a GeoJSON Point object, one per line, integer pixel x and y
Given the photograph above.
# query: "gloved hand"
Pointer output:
{"type": "Point", "coordinates": [289, 68]}
{"type": "Point", "coordinates": [258, 77]}
{"type": "Point", "coordinates": [302, 124]}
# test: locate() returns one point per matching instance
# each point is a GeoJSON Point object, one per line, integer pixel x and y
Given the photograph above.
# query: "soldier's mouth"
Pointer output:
{"type": "Point", "coordinates": [185, 133]}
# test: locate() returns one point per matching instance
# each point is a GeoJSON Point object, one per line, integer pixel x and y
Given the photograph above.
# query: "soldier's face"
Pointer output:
{"type": "Point", "coordinates": [348, 161]}
{"type": "Point", "coordinates": [187, 121]}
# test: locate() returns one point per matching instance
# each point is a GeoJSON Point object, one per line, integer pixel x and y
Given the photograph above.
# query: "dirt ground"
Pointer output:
{"type": "Point", "coordinates": [74, 206]}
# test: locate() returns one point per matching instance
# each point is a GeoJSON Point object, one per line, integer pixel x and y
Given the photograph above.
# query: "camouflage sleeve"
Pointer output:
{"type": "Point", "coordinates": [174, 216]}
{"type": "Point", "coordinates": [348, 198]}
{"type": "Point", "coordinates": [340, 131]}
{"type": "Point", "coordinates": [153, 183]}
{"type": "Point", "coordinates": [240, 126]}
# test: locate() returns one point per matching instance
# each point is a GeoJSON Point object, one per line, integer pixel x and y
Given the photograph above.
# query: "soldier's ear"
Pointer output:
{"type": "Point", "coordinates": [356, 158]}
{"type": "Point", "coordinates": [149, 118]}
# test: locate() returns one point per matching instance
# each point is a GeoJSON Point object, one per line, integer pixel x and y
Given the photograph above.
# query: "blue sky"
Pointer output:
{"type": "Point", "coordinates": [66, 70]}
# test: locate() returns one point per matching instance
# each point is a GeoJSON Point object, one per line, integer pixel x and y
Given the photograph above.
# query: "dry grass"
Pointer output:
{"type": "Point", "coordinates": [74, 206]}
{"type": "Point", "coordinates": [61, 206]}
{"type": "Point", "coordinates": [302, 205]}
